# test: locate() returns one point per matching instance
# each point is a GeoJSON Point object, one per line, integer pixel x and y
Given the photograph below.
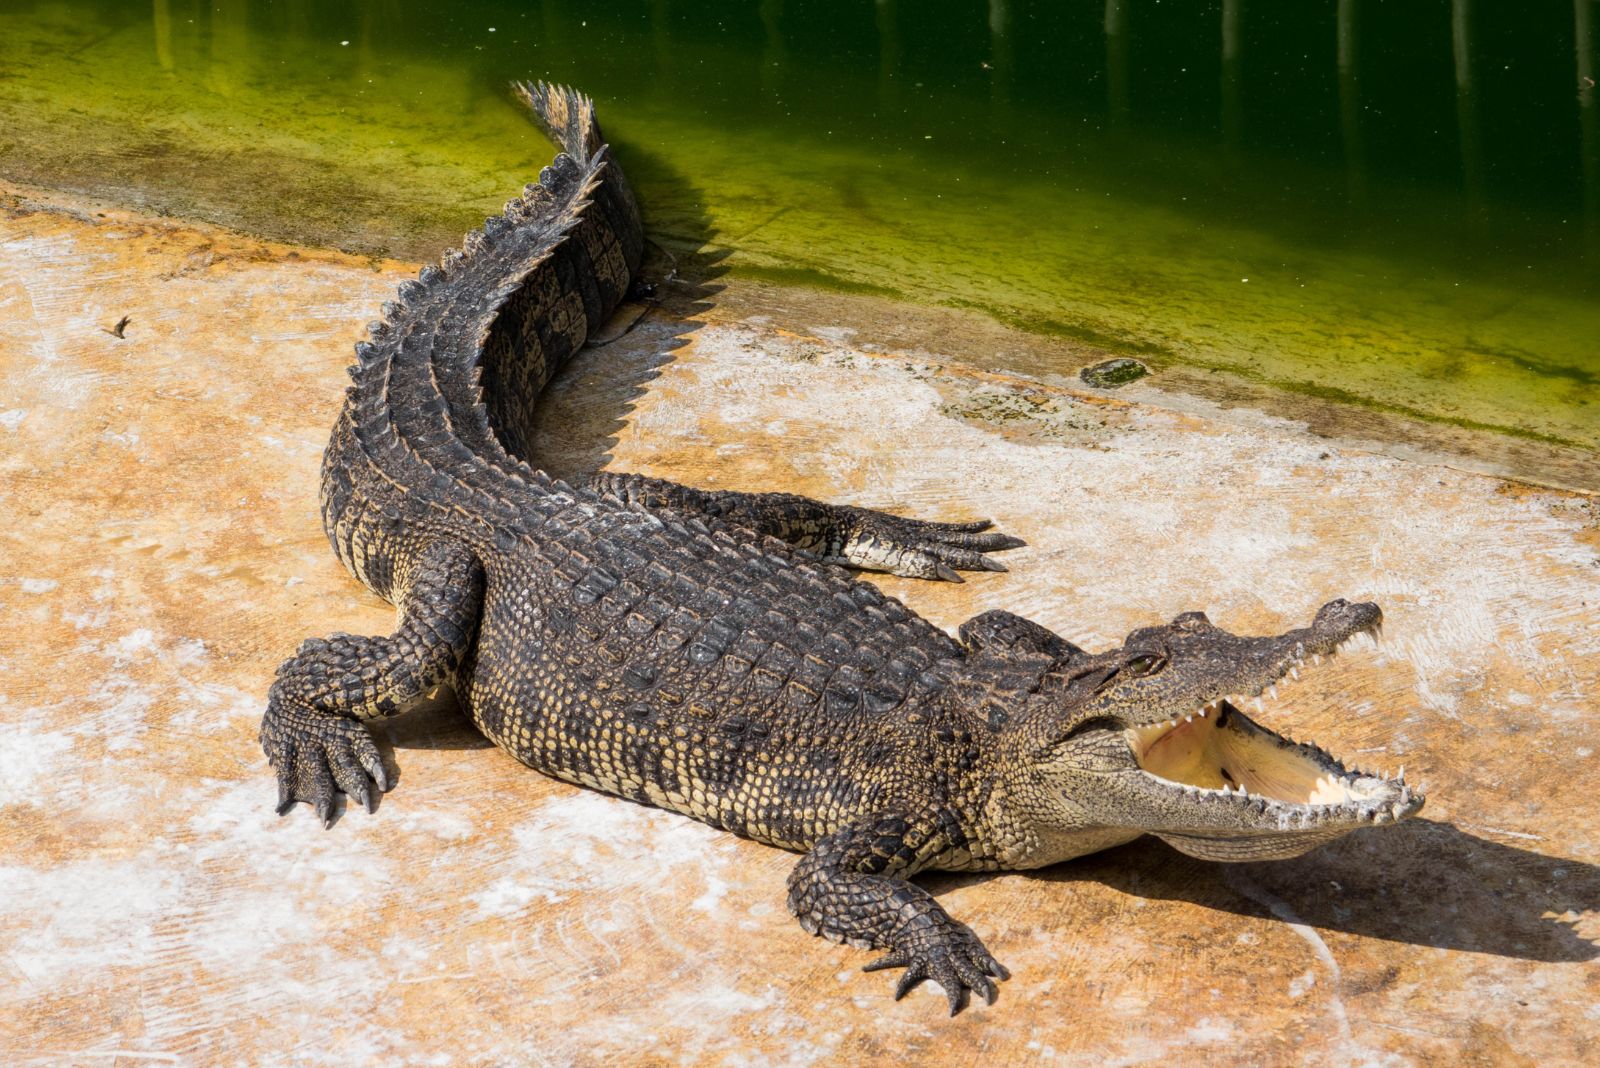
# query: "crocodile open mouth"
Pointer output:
{"type": "Point", "coordinates": [1220, 755]}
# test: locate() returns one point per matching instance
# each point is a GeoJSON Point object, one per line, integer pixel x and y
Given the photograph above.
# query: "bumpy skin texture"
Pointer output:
{"type": "Point", "coordinates": [700, 651]}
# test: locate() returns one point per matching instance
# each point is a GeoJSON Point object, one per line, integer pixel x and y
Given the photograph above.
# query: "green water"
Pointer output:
{"type": "Point", "coordinates": [1383, 204]}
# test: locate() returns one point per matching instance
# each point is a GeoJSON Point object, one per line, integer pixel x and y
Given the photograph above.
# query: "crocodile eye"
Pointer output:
{"type": "Point", "coordinates": [1146, 664]}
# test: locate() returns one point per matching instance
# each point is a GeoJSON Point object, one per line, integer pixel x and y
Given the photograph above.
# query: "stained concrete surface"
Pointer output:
{"type": "Point", "coordinates": [162, 554]}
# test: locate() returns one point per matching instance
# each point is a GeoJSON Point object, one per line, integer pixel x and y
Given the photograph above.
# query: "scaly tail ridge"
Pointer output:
{"type": "Point", "coordinates": [565, 115]}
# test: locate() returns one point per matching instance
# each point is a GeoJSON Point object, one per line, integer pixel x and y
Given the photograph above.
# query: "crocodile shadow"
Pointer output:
{"type": "Point", "coordinates": [585, 408]}
{"type": "Point", "coordinates": [1422, 883]}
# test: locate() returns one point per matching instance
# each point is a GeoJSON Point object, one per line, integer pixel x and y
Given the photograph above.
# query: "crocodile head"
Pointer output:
{"type": "Point", "coordinates": [1150, 738]}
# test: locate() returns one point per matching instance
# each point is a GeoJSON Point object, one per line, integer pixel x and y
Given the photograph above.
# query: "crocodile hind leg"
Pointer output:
{"type": "Point", "coordinates": [838, 533]}
{"type": "Point", "coordinates": [852, 887]}
{"type": "Point", "coordinates": [312, 731]}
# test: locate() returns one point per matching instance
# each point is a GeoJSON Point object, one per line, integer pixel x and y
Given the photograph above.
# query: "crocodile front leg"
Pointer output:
{"type": "Point", "coordinates": [312, 732]}
{"type": "Point", "coordinates": [999, 632]}
{"type": "Point", "coordinates": [852, 887]}
{"type": "Point", "coordinates": [838, 533]}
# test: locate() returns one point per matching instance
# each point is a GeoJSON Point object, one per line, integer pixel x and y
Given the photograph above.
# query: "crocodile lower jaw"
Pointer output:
{"type": "Point", "coordinates": [1219, 757]}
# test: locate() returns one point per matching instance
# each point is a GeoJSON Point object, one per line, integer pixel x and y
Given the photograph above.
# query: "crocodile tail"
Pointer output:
{"type": "Point", "coordinates": [565, 115]}
{"type": "Point", "coordinates": [448, 382]}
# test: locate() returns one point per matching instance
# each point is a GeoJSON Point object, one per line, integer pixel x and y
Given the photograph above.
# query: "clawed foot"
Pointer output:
{"type": "Point", "coordinates": [949, 954]}
{"type": "Point", "coordinates": [917, 548]}
{"type": "Point", "coordinates": [314, 754]}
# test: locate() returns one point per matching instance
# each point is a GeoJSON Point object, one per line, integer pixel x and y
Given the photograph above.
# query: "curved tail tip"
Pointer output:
{"type": "Point", "coordinates": [564, 113]}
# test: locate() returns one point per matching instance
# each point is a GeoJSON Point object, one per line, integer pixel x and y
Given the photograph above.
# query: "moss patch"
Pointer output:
{"type": "Point", "coordinates": [811, 278]}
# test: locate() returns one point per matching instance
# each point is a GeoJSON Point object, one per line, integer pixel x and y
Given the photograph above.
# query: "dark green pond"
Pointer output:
{"type": "Point", "coordinates": [1389, 204]}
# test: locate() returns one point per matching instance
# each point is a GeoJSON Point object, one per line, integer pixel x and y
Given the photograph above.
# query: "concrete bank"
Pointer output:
{"type": "Point", "coordinates": [163, 554]}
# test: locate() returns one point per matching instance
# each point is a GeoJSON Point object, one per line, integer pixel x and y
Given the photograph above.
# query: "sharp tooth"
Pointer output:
{"type": "Point", "coordinates": [1272, 691]}
{"type": "Point", "coordinates": [1402, 773]}
{"type": "Point", "coordinates": [1189, 718]}
{"type": "Point", "coordinates": [1399, 810]}
{"type": "Point", "coordinates": [1294, 672]}
{"type": "Point", "coordinates": [1256, 701]}
{"type": "Point", "coordinates": [1316, 658]}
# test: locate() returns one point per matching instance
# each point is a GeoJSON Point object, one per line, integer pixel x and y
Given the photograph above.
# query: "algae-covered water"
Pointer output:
{"type": "Point", "coordinates": [1384, 204]}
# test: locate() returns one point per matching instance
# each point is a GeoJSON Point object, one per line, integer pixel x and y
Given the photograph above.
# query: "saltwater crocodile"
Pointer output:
{"type": "Point", "coordinates": [711, 653]}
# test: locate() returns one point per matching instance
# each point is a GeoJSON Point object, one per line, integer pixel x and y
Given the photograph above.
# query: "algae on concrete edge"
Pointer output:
{"type": "Point", "coordinates": [363, 149]}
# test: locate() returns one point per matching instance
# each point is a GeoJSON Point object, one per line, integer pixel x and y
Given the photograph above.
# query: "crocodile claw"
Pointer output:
{"type": "Point", "coordinates": [918, 548]}
{"type": "Point", "coordinates": [316, 756]}
{"type": "Point", "coordinates": [951, 956]}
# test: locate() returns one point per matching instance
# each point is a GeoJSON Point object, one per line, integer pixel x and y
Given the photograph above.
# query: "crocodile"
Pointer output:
{"type": "Point", "coordinates": [713, 652]}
